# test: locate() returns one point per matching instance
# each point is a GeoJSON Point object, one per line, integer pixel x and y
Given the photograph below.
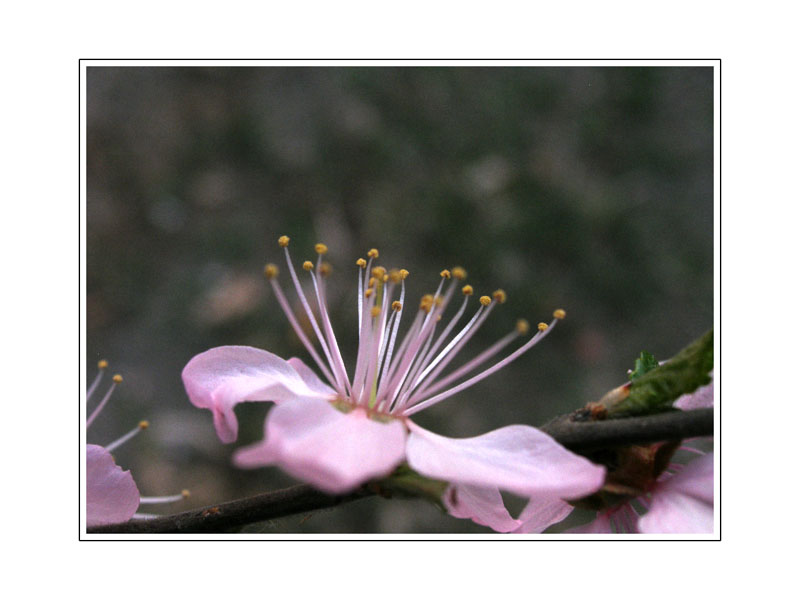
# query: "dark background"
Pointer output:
{"type": "Point", "coordinates": [584, 188]}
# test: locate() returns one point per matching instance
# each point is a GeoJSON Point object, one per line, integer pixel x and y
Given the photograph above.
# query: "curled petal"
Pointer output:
{"type": "Point", "coordinates": [333, 451]}
{"type": "Point", "coordinates": [221, 378]}
{"type": "Point", "coordinates": [684, 503]}
{"type": "Point", "coordinates": [516, 458]}
{"type": "Point", "coordinates": [483, 505]}
{"type": "Point", "coordinates": [111, 493]}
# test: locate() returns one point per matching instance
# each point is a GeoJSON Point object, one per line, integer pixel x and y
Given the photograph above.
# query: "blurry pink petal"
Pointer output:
{"type": "Point", "coordinates": [542, 512]}
{"type": "Point", "coordinates": [516, 458]}
{"type": "Point", "coordinates": [483, 505]}
{"type": "Point", "coordinates": [111, 494]}
{"type": "Point", "coordinates": [220, 378]}
{"type": "Point", "coordinates": [331, 450]}
{"type": "Point", "coordinates": [602, 524]}
{"type": "Point", "coordinates": [702, 397]}
{"type": "Point", "coordinates": [684, 503]}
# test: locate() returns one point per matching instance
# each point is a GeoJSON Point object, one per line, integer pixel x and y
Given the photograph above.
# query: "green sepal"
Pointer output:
{"type": "Point", "coordinates": [655, 390]}
{"type": "Point", "coordinates": [404, 481]}
{"type": "Point", "coordinates": [646, 362]}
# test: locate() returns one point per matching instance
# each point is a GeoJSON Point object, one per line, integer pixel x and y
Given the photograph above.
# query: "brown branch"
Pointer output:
{"type": "Point", "coordinates": [580, 437]}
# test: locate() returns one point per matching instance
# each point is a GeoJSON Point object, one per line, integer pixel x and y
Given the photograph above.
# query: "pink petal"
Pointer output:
{"type": "Point", "coordinates": [516, 458]}
{"type": "Point", "coordinates": [542, 512]}
{"type": "Point", "coordinates": [333, 451]}
{"type": "Point", "coordinates": [702, 397]}
{"type": "Point", "coordinates": [221, 378]}
{"type": "Point", "coordinates": [483, 505]}
{"type": "Point", "coordinates": [683, 503]}
{"type": "Point", "coordinates": [602, 524]}
{"type": "Point", "coordinates": [111, 493]}
{"type": "Point", "coordinates": [310, 378]}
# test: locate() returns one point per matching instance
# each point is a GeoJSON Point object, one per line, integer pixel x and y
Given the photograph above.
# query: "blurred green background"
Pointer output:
{"type": "Point", "coordinates": [584, 188]}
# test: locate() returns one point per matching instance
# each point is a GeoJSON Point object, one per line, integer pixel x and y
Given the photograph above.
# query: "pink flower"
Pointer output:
{"type": "Point", "coordinates": [342, 431]}
{"type": "Point", "coordinates": [111, 493]}
{"type": "Point", "coordinates": [680, 500]}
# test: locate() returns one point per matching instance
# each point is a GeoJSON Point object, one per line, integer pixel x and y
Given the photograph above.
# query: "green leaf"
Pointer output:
{"type": "Point", "coordinates": [656, 389]}
{"type": "Point", "coordinates": [646, 362]}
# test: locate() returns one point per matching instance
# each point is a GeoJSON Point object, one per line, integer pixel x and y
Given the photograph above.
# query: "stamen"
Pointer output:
{"type": "Point", "coordinates": [523, 327]}
{"type": "Point", "coordinates": [325, 269]}
{"type": "Point", "coordinates": [559, 313]}
{"type": "Point", "coordinates": [320, 249]}
{"type": "Point", "coordinates": [480, 376]}
{"type": "Point", "coordinates": [117, 379]}
{"type": "Point", "coordinates": [467, 290]}
{"type": "Point", "coordinates": [337, 365]}
{"type": "Point", "coordinates": [541, 326]}
{"type": "Point", "coordinates": [445, 274]}
{"type": "Point", "coordinates": [271, 271]}
{"type": "Point", "coordinates": [308, 265]}
{"type": "Point", "coordinates": [361, 263]}
{"type": "Point", "coordinates": [283, 241]}
{"type": "Point", "coordinates": [284, 304]}
{"type": "Point", "coordinates": [485, 300]}
{"type": "Point", "coordinates": [132, 433]}
{"type": "Point", "coordinates": [102, 364]}
{"type": "Point", "coordinates": [312, 319]}
{"type": "Point", "coordinates": [459, 273]}
{"type": "Point", "coordinates": [373, 253]}
{"type": "Point", "coordinates": [500, 296]}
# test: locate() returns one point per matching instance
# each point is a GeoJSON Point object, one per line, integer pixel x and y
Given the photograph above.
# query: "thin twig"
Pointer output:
{"type": "Point", "coordinates": [578, 436]}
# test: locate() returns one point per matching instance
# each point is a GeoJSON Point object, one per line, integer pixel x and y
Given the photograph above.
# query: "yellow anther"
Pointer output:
{"type": "Point", "coordinates": [373, 253]}
{"type": "Point", "coordinates": [445, 274]}
{"type": "Point", "coordinates": [485, 300]}
{"type": "Point", "coordinates": [542, 326]}
{"type": "Point", "coordinates": [403, 273]}
{"type": "Point", "coordinates": [459, 273]}
{"type": "Point", "coordinates": [395, 276]}
{"type": "Point", "coordinates": [283, 241]}
{"type": "Point", "coordinates": [144, 424]}
{"type": "Point", "coordinates": [325, 269]}
{"type": "Point", "coordinates": [523, 327]}
{"type": "Point", "coordinates": [500, 296]}
{"type": "Point", "coordinates": [372, 282]}
{"type": "Point", "coordinates": [397, 305]}
{"type": "Point", "coordinates": [308, 265]}
{"type": "Point", "coordinates": [467, 290]}
{"type": "Point", "coordinates": [426, 303]}
{"type": "Point", "coordinates": [378, 272]}
{"type": "Point", "coordinates": [438, 301]}
{"type": "Point", "coordinates": [375, 311]}
{"type": "Point", "coordinates": [560, 313]}
{"type": "Point", "coordinates": [361, 263]}
{"type": "Point", "coordinates": [185, 493]}
{"type": "Point", "coordinates": [102, 364]}
{"type": "Point", "coordinates": [270, 271]}
{"type": "Point", "coordinates": [368, 293]}
{"type": "Point", "coordinates": [117, 379]}
{"type": "Point", "coordinates": [385, 278]}
{"type": "Point", "coordinates": [320, 248]}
